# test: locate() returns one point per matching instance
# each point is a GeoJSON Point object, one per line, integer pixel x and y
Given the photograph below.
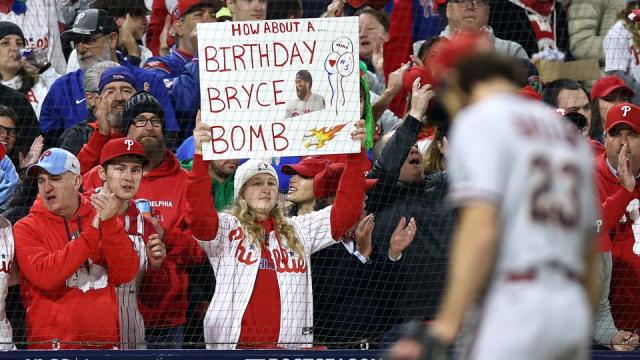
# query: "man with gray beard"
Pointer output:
{"type": "Point", "coordinates": [95, 38]}
{"type": "Point", "coordinates": [73, 138]}
{"type": "Point", "coordinates": [164, 185]}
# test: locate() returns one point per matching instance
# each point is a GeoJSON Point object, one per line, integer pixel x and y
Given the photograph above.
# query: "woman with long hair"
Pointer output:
{"type": "Point", "coordinates": [622, 45]}
{"type": "Point", "coordinates": [263, 296]}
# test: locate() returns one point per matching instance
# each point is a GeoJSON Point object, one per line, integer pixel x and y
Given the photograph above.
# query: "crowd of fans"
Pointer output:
{"type": "Point", "coordinates": [124, 237]}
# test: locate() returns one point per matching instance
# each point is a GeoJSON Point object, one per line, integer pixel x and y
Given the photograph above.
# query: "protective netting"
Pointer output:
{"type": "Point", "coordinates": [99, 270]}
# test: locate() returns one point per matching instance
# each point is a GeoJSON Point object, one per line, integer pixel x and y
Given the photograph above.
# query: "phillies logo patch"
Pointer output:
{"type": "Point", "coordinates": [46, 153]}
{"type": "Point", "coordinates": [129, 144]}
{"type": "Point", "coordinates": [625, 109]}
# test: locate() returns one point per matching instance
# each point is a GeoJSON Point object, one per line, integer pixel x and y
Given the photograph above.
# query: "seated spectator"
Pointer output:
{"type": "Point", "coordinates": [7, 268]}
{"type": "Point", "coordinates": [615, 179]}
{"type": "Point", "coordinates": [114, 85]}
{"type": "Point", "coordinates": [74, 138]}
{"type": "Point", "coordinates": [621, 46]}
{"type": "Point", "coordinates": [29, 76]}
{"type": "Point", "coordinates": [248, 10]}
{"type": "Point", "coordinates": [605, 93]}
{"type": "Point", "coordinates": [187, 14]}
{"type": "Point", "coordinates": [284, 9]}
{"type": "Point", "coordinates": [373, 27]}
{"type": "Point", "coordinates": [9, 180]}
{"type": "Point", "coordinates": [164, 185]}
{"type": "Point", "coordinates": [588, 23]}
{"type": "Point", "coordinates": [344, 276]}
{"type": "Point", "coordinates": [569, 96]}
{"type": "Point", "coordinates": [121, 163]}
{"type": "Point", "coordinates": [268, 302]}
{"type": "Point", "coordinates": [435, 156]}
{"type": "Point", "coordinates": [95, 36]}
{"type": "Point", "coordinates": [403, 190]}
{"type": "Point", "coordinates": [473, 15]}
{"type": "Point", "coordinates": [72, 252]}
{"type": "Point", "coordinates": [9, 138]}
{"type": "Point", "coordinates": [131, 18]}
{"type": "Point", "coordinates": [540, 26]}
{"type": "Point", "coordinates": [25, 122]}
{"type": "Point", "coordinates": [300, 193]}
{"type": "Point", "coordinates": [39, 22]}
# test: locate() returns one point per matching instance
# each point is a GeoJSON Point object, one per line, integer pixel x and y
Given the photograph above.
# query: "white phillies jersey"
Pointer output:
{"type": "Point", "coordinates": [299, 107]}
{"type": "Point", "coordinates": [530, 162]}
{"type": "Point", "coordinates": [235, 261]}
{"type": "Point", "coordinates": [6, 267]}
{"type": "Point", "coordinates": [39, 91]}
{"type": "Point", "coordinates": [131, 322]}
{"type": "Point", "coordinates": [619, 52]}
{"type": "Point", "coordinates": [39, 25]}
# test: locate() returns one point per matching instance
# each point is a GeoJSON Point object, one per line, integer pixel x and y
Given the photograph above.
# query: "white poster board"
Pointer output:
{"type": "Point", "coordinates": [279, 88]}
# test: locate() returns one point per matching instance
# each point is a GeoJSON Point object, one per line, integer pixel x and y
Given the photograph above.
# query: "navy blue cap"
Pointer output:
{"type": "Point", "coordinates": [116, 73]}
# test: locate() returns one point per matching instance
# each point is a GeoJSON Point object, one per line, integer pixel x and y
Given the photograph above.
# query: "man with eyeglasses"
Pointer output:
{"type": "Point", "coordinates": [473, 15]}
{"type": "Point", "coordinates": [164, 185]}
{"type": "Point", "coordinates": [95, 38]}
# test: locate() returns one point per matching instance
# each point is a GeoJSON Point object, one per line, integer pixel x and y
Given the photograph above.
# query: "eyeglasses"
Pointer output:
{"type": "Point", "coordinates": [143, 122]}
{"type": "Point", "coordinates": [7, 130]}
{"type": "Point", "coordinates": [474, 2]}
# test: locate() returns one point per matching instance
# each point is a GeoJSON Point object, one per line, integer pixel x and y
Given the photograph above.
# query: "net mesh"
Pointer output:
{"type": "Point", "coordinates": [68, 285]}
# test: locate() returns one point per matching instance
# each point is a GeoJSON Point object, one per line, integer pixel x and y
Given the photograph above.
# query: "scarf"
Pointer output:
{"type": "Point", "coordinates": [540, 16]}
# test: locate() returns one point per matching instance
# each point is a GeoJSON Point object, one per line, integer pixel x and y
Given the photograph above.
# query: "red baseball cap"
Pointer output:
{"type": "Point", "coordinates": [412, 74]}
{"type": "Point", "coordinates": [122, 147]}
{"type": "Point", "coordinates": [447, 53]}
{"type": "Point", "coordinates": [325, 184]}
{"type": "Point", "coordinates": [183, 6]}
{"type": "Point", "coordinates": [307, 167]}
{"type": "Point", "coordinates": [624, 113]}
{"type": "Point", "coordinates": [531, 93]}
{"type": "Point", "coordinates": [607, 85]}
{"type": "Point", "coordinates": [375, 4]}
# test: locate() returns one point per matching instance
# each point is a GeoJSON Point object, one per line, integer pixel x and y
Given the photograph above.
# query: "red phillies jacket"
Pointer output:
{"type": "Point", "coordinates": [62, 300]}
{"type": "Point", "coordinates": [165, 187]}
{"type": "Point", "coordinates": [616, 232]}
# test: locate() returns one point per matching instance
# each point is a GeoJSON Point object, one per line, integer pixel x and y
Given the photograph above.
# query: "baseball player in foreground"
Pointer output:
{"type": "Point", "coordinates": [523, 250]}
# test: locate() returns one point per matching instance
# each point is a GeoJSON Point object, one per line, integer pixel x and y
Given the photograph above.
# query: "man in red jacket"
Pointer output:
{"type": "Point", "coordinates": [164, 185]}
{"type": "Point", "coordinates": [616, 173]}
{"type": "Point", "coordinates": [72, 252]}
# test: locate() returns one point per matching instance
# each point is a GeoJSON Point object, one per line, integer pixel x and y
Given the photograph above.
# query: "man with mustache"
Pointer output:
{"type": "Point", "coordinates": [115, 85]}
{"type": "Point", "coordinates": [164, 185]}
{"type": "Point", "coordinates": [307, 101]}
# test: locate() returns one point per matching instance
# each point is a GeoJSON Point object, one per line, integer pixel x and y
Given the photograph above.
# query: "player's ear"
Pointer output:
{"type": "Point", "coordinates": [102, 173]}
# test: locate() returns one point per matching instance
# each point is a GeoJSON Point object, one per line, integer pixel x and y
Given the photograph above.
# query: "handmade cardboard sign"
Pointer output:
{"type": "Point", "coordinates": [279, 88]}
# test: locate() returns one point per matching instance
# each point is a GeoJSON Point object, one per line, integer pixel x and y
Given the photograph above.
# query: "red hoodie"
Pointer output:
{"type": "Point", "coordinates": [165, 187]}
{"type": "Point", "coordinates": [55, 256]}
{"type": "Point", "coordinates": [616, 233]}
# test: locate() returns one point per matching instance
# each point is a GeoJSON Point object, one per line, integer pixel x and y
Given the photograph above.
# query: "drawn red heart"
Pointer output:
{"type": "Point", "coordinates": [332, 62]}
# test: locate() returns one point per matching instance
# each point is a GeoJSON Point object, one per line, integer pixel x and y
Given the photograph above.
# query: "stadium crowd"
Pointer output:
{"type": "Point", "coordinates": [117, 234]}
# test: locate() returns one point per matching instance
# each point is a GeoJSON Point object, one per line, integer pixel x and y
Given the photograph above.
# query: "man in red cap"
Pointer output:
{"type": "Point", "coordinates": [164, 185]}
{"type": "Point", "coordinates": [605, 93]}
{"type": "Point", "coordinates": [121, 163]}
{"type": "Point", "coordinates": [616, 172]}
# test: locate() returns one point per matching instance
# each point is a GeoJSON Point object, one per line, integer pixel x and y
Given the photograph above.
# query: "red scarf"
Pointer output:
{"type": "Point", "coordinates": [540, 17]}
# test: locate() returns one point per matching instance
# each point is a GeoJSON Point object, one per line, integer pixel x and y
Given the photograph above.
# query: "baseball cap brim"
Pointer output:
{"type": "Point", "coordinates": [613, 88]}
{"type": "Point", "coordinates": [625, 122]}
{"type": "Point", "coordinates": [142, 158]}
{"type": "Point", "coordinates": [35, 169]}
{"type": "Point", "coordinates": [297, 169]}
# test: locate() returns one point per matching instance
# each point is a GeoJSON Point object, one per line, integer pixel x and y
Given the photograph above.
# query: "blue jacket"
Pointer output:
{"type": "Point", "coordinates": [181, 78]}
{"type": "Point", "coordinates": [9, 181]}
{"type": "Point", "coordinates": [65, 104]}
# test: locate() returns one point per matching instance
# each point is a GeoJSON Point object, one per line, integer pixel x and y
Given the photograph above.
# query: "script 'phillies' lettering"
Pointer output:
{"type": "Point", "coordinates": [280, 256]}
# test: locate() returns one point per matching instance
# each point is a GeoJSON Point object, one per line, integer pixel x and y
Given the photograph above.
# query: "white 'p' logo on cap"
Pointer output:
{"type": "Point", "coordinates": [625, 110]}
{"type": "Point", "coordinates": [129, 144]}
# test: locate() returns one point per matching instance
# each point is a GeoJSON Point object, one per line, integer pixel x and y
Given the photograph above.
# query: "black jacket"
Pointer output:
{"type": "Point", "coordinates": [73, 138]}
{"type": "Point", "coordinates": [424, 263]}
{"type": "Point", "coordinates": [27, 122]}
